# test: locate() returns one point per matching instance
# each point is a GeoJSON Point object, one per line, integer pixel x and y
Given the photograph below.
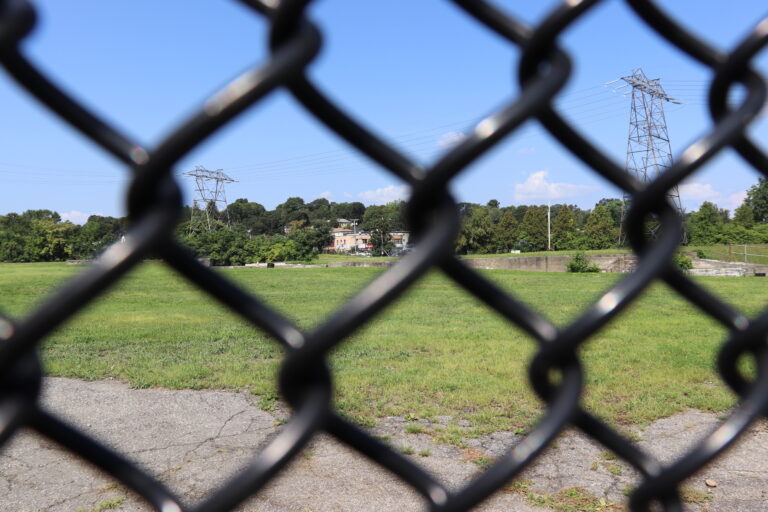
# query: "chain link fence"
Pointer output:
{"type": "Point", "coordinates": [305, 380]}
{"type": "Point", "coordinates": [747, 253]}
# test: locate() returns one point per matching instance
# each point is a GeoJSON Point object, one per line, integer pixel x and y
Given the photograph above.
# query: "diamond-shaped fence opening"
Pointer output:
{"type": "Point", "coordinates": [305, 378]}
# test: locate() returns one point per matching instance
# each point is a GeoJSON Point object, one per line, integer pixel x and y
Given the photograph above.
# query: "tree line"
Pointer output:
{"type": "Point", "coordinates": [41, 235]}
{"type": "Point", "coordinates": [244, 232]}
{"type": "Point", "coordinates": [711, 225]}
{"type": "Point", "coordinates": [491, 228]}
{"type": "Point", "coordinates": [295, 230]}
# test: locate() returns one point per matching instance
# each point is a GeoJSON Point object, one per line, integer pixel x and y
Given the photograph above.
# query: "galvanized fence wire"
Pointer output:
{"type": "Point", "coordinates": [305, 380]}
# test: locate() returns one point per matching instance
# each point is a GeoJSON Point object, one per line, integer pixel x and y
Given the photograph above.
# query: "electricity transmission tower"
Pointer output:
{"type": "Point", "coordinates": [648, 150]}
{"type": "Point", "coordinates": [209, 192]}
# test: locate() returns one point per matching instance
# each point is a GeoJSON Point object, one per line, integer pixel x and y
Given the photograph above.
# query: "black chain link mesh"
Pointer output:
{"type": "Point", "coordinates": [305, 380]}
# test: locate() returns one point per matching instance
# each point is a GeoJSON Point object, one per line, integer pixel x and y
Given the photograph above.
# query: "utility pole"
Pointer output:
{"type": "Point", "coordinates": [648, 149]}
{"type": "Point", "coordinates": [206, 195]}
{"type": "Point", "coordinates": [549, 225]}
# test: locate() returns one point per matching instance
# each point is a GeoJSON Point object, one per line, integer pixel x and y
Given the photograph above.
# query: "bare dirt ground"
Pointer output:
{"type": "Point", "coordinates": [194, 440]}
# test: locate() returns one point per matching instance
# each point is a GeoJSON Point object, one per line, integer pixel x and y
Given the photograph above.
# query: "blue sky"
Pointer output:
{"type": "Point", "coordinates": [417, 72]}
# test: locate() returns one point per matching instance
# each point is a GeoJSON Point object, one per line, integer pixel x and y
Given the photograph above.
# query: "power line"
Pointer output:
{"type": "Point", "coordinates": [591, 105]}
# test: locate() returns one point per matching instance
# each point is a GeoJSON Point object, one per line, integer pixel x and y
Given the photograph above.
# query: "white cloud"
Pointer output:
{"type": "Point", "coordinates": [326, 194]}
{"type": "Point", "coordinates": [77, 217]}
{"type": "Point", "coordinates": [386, 194]}
{"type": "Point", "coordinates": [529, 150]}
{"type": "Point", "coordinates": [733, 201]}
{"type": "Point", "coordinates": [537, 188]}
{"type": "Point", "coordinates": [697, 192]}
{"type": "Point", "coordinates": [450, 139]}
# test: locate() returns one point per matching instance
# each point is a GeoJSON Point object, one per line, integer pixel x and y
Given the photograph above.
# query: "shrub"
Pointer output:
{"type": "Point", "coordinates": [580, 263]}
{"type": "Point", "coordinates": [683, 262]}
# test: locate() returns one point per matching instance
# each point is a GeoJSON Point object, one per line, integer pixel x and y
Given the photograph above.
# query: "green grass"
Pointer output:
{"type": "Point", "coordinates": [414, 428]}
{"type": "Point", "coordinates": [573, 499]}
{"type": "Point", "coordinates": [756, 253]}
{"type": "Point", "coordinates": [694, 496]}
{"type": "Point", "coordinates": [436, 352]}
{"type": "Point", "coordinates": [104, 505]}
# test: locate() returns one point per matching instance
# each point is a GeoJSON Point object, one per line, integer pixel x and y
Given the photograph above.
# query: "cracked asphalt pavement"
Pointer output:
{"type": "Point", "coordinates": [194, 440]}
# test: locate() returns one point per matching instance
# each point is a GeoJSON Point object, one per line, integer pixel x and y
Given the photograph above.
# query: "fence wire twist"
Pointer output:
{"type": "Point", "coordinates": [305, 380]}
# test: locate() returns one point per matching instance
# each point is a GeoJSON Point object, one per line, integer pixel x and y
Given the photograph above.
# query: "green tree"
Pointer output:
{"type": "Point", "coordinates": [506, 232]}
{"type": "Point", "coordinates": [378, 222]}
{"type": "Point", "coordinates": [563, 229]}
{"type": "Point", "coordinates": [476, 234]}
{"type": "Point", "coordinates": [97, 234]}
{"type": "Point", "coordinates": [706, 226]}
{"type": "Point", "coordinates": [248, 217]}
{"type": "Point", "coordinates": [599, 231]}
{"type": "Point", "coordinates": [290, 210]}
{"type": "Point", "coordinates": [494, 212]}
{"type": "Point", "coordinates": [309, 242]}
{"type": "Point", "coordinates": [614, 206]}
{"type": "Point", "coordinates": [36, 235]}
{"type": "Point", "coordinates": [533, 229]}
{"type": "Point", "coordinates": [42, 215]}
{"type": "Point", "coordinates": [51, 240]}
{"type": "Point", "coordinates": [757, 200]}
{"type": "Point", "coordinates": [347, 211]}
{"type": "Point", "coordinates": [15, 243]}
{"type": "Point", "coordinates": [744, 215]}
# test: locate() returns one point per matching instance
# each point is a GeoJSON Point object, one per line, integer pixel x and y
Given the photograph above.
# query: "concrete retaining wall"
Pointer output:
{"type": "Point", "coordinates": [360, 264]}
{"type": "Point", "coordinates": [325, 265]}
{"type": "Point", "coordinates": [616, 263]}
{"type": "Point", "coordinates": [702, 267]}
{"type": "Point", "coordinates": [620, 263]}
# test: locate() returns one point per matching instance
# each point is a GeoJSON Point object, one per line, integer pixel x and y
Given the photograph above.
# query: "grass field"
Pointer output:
{"type": "Point", "coordinates": [755, 253]}
{"type": "Point", "coordinates": [438, 351]}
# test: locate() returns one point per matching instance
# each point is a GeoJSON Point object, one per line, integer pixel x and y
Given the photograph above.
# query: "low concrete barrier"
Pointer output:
{"type": "Point", "coordinates": [616, 263]}
{"type": "Point", "coordinates": [619, 263]}
{"type": "Point", "coordinates": [704, 267]}
{"type": "Point", "coordinates": [360, 264]}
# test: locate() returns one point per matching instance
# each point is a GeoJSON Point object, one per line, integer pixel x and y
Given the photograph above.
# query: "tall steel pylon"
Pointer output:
{"type": "Point", "coordinates": [207, 196]}
{"type": "Point", "coordinates": [648, 150]}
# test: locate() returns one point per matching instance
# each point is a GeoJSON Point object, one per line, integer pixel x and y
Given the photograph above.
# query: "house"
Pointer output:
{"type": "Point", "coordinates": [345, 224]}
{"type": "Point", "coordinates": [349, 241]}
{"type": "Point", "coordinates": [400, 239]}
{"type": "Point", "coordinates": [346, 241]}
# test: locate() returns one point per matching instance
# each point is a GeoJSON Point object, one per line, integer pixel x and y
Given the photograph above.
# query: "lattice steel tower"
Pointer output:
{"type": "Point", "coordinates": [206, 196]}
{"type": "Point", "coordinates": [648, 150]}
